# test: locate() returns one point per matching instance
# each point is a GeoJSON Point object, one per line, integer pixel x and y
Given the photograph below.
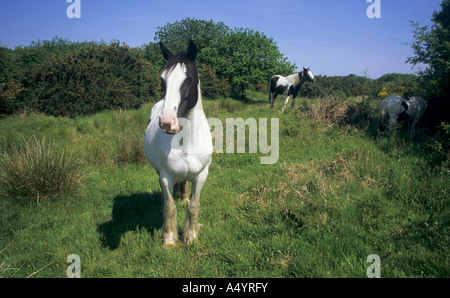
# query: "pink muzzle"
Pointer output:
{"type": "Point", "coordinates": [168, 121]}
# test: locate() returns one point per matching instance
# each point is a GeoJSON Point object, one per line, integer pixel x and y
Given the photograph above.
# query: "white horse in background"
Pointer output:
{"type": "Point", "coordinates": [288, 86]}
{"type": "Point", "coordinates": [179, 156]}
{"type": "Point", "coordinates": [397, 109]}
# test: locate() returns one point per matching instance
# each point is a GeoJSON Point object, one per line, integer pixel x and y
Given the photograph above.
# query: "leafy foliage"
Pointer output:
{"type": "Point", "coordinates": [405, 85]}
{"type": "Point", "coordinates": [432, 47]}
{"type": "Point", "coordinates": [75, 79]}
{"type": "Point", "coordinates": [91, 80]}
{"type": "Point", "coordinates": [239, 57]}
{"type": "Point", "coordinates": [252, 58]}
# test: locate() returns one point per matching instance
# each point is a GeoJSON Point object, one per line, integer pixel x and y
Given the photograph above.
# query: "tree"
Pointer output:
{"type": "Point", "coordinates": [229, 58]}
{"type": "Point", "coordinates": [251, 58]}
{"type": "Point", "coordinates": [205, 34]}
{"type": "Point", "coordinates": [432, 47]}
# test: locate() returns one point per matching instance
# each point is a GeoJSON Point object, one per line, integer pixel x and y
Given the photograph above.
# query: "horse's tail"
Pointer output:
{"type": "Point", "coordinates": [272, 87]}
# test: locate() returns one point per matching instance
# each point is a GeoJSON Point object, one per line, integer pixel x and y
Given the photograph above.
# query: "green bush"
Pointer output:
{"type": "Point", "coordinates": [90, 80]}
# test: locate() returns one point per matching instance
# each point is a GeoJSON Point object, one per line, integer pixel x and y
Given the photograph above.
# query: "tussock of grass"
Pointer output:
{"type": "Point", "coordinates": [38, 170]}
{"type": "Point", "coordinates": [335, 110]}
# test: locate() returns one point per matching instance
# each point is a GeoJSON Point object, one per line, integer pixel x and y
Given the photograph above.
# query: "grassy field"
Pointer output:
{"type": "Point", "coordinates": [339, 192]}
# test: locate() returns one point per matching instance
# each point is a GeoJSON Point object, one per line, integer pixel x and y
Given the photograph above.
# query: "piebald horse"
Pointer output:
{"type": "Point", "coordinates": [397, 109]}
{"type": "Point", "coordinates": [179, 155]}
{"type": "Point", "coordinates": [288, 86]}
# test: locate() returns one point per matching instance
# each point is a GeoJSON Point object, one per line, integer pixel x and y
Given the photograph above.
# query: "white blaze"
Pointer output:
{"type": "Point", "coordinates": [173, 77]}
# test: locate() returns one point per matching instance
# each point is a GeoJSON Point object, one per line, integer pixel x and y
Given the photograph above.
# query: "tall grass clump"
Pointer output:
{"type": "Point", "coordinates": [36, 170]}
{"type": "Point", "coordinates": [337, 110]}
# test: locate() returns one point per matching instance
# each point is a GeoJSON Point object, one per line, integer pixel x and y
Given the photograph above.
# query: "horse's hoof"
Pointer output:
{"type": "Point", "coordinates": [169, 244]}
{"type": "Point", "coordinates": [190, 237]}
{"type": "Point", "coordinates": [169, 240]}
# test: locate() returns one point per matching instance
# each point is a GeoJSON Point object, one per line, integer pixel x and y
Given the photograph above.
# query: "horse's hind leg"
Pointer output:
{"type": "Point", "coordinates": [272, 99]}
{"type": "Point", "coordinates": [177, 191]}
{"type": "Point", "coordinates": [285, 103]}
{"type": "Point", "coordinates": [412, 125]}
{"type": "Point", "coordinates": [184, 192]}
{"type": "Point", "coordinates": [169, 228]}
{"type": "Point", "coordinates": [191, 225]}
{"type": "Point", "coordinates": [181, 191]}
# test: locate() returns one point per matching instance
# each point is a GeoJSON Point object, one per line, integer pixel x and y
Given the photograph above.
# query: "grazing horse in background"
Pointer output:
{"type": "Point", "coordinates": [177, 163]}
{"type": "Point", "coordinates": [416, 108]}
{"type": "Point", "coordinates": [398, 109]}
{"type": "Point", "coordinates": [288, 85]}
{"type": "Point", "coordinates": [395, 109]}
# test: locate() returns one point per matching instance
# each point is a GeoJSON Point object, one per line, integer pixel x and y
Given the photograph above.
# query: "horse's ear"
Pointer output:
{"type": "Point", "coordinates": [192, 51]}
{"type": "Point", "coordinates": [165, 52]}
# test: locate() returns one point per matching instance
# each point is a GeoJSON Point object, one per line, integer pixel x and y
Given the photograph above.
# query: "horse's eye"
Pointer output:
{"type": "Point", "coordinates": [189, 80]}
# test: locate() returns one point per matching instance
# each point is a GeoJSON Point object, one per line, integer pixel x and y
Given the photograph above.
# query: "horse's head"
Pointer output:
{"type": "Point", "coordinates": [180, 84]}
{"type": "Point", "coordinates": [307, 74]}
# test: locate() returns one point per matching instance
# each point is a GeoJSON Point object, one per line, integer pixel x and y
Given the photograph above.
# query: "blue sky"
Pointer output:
{"type": "Point", "coordinates": [332, 37]}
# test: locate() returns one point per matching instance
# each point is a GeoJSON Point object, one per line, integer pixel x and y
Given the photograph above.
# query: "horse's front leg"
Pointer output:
{"type": "Point", "coordinates": [169, 228]}
{"type": "Point", "coordinates": [191, 225]}
{"type": "Point", "coordinates": [293, 102]}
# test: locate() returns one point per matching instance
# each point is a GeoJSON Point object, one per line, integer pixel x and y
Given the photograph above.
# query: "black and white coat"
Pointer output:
{"type": "Point", "coordinates": [179, 156]}
{"type": "Point", "coordinates": [288, 86]}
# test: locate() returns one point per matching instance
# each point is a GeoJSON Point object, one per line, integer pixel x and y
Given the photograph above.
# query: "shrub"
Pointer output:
{"type": "Point", "coordinates": [37, 170]}
{"type": "Point", "coordinates": [90, 80]}
{"type": "Point", "coordinates": [8, 92]}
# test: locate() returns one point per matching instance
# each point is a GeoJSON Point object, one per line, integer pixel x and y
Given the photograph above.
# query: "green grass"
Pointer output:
{"type": "Point", "coordinates": [338, 193]}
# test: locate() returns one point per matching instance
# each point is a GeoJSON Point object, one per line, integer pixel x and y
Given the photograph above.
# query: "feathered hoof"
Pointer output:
{"type": "Point", "coordinates": [169, 240]}
{"type": "Point", "coordinates": [190, 237]}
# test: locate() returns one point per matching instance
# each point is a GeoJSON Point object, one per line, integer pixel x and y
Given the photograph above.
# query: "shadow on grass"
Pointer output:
{"type": "Point", "coordinates": [130, 213]}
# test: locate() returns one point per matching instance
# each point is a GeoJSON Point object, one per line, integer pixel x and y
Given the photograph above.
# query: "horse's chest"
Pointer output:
{"type": "Point", "coordinates": [177, 155]}
{"type": "Point", "coordinates": [187, 165]}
